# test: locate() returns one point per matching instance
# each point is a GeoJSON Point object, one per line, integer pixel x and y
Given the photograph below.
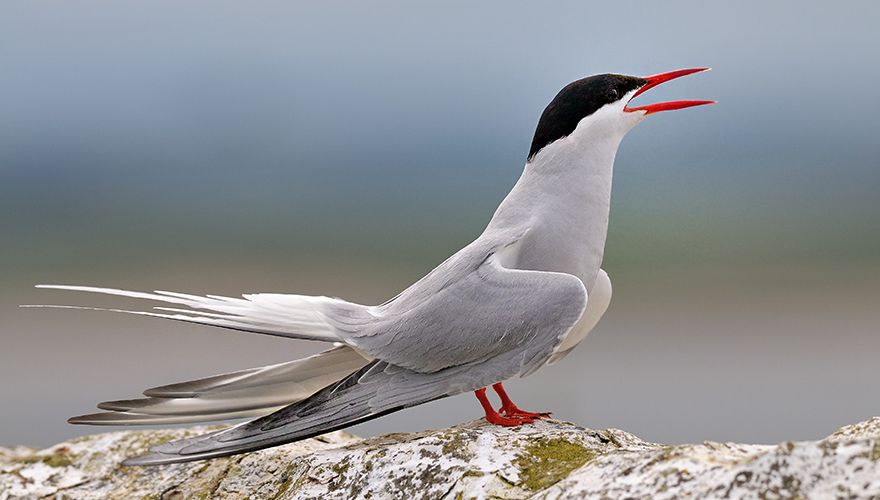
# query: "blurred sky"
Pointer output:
{"type": "Point", "coordinates": [346, 148]}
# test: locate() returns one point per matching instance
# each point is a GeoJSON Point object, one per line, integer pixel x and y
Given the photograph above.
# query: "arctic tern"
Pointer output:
{"type": "Point", "coordinates": [522, 295]}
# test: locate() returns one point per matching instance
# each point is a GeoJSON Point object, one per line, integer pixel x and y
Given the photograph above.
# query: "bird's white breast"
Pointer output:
{"type": "Point", "coordinates": [597, 303]}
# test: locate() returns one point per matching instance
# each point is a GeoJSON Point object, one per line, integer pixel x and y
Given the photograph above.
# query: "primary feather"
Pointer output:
{"type": "Point", "coordinates": [245, 393]}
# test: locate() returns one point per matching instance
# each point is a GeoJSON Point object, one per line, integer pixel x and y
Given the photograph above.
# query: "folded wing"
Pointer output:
{"type": "Point", "coordinates": [486, 310]}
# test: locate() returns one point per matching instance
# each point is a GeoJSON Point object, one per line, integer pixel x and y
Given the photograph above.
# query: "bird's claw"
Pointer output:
{"type": "Point", "coordinates": [515, 412]}
{"type": "Point", "coordinates": [509, 415]}
{"type": "Point", "coordinates": [508, 421]}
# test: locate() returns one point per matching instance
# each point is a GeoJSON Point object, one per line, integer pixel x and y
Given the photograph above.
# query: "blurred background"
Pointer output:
{"type": "Point", "coordinates": [345, 149]}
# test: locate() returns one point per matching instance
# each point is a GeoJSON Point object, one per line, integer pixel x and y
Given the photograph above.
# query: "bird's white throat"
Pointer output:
{"type": "Point", "coordinates": [564, 196]}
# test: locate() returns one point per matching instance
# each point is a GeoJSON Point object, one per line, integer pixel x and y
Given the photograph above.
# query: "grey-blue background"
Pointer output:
{"type": "Point", "coordinates": [345, 148]}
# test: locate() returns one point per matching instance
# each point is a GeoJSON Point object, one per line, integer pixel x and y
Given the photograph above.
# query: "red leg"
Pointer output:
{"type": "Point", "coordinates": [493, 417]}
{"type": "Point", "coordinates": [510, 409]}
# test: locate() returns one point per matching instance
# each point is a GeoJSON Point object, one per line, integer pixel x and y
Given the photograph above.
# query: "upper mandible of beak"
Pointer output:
{"type": "Point", "coordinates": [655, 80]}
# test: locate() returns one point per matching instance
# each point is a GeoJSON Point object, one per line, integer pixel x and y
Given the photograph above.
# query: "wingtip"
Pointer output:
{"type": "Point", "coordinates": [102, 419]}
{"type": "Point", "coordinates": [130, 462]}
{"type": "Point", "coordinates": [149, 459]}
{"type": "Point", "coordinates": [81, 420]}
{"type": "Point", "coordinates": [155, 457]}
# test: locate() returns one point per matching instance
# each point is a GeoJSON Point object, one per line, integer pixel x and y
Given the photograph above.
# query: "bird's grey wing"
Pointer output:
{"type": "Point", "coordinates": [489, 310]}
{"type": "Point", "coordinates": [490, 325]}
{"type": "Point", "coordinates": [245, 393]}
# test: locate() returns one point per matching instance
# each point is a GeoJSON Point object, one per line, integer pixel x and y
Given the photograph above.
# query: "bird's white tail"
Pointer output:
{"type": "Point", "coordinates": [284, 315]}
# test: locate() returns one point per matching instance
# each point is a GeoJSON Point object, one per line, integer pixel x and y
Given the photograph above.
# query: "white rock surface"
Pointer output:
{"type": "Point", "coordinates": [550, 459]}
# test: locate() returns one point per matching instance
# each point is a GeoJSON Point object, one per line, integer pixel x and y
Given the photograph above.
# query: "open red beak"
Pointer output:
{"type": "Point", "coordinates": [655, 80]}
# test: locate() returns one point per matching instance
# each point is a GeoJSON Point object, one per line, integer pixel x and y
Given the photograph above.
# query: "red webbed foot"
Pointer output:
{"type": "Point", "coordinates": [493, 417]}
{"type": "Point", "coordinates": [516, 412]}
{"type": "Point", "coordinates": [510, 409]}
{"type": "Point", "coordinates": [507, 421]}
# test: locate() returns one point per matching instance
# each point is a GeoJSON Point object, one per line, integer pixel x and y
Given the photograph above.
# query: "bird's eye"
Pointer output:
{"type": "Point", "coordinates": [612, 95]}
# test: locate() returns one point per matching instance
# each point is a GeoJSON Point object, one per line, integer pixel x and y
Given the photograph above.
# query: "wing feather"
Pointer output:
{"type": "Point", "coordinates": [491, 309]}
{"type": "Point", "coordinates": [251, 392]}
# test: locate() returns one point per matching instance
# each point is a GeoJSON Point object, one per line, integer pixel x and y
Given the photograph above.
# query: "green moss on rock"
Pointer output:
{"type": "Point", "coordinates": [545, 462]}
{"type": "Point", "coordinates": [455, 444]}
{"type": "Point", "coordinates": [59, 458]}
{"type": "Point", "coordinates": [288, 482]}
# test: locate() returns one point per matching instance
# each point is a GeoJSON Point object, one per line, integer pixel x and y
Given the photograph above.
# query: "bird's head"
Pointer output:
{"type": "Point", "coordinates": [597, 108]}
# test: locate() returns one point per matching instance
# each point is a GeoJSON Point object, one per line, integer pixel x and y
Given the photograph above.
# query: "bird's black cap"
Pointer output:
{"type": "Point", "coordinates": [577, 100]}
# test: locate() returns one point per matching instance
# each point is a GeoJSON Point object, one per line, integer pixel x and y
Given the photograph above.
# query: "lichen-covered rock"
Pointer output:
{"type": "Point", "coordinates": [550, 459]}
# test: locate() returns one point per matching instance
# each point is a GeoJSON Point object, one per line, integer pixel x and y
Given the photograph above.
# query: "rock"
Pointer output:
{"type": "Point", "coordinates": [549, 459]}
